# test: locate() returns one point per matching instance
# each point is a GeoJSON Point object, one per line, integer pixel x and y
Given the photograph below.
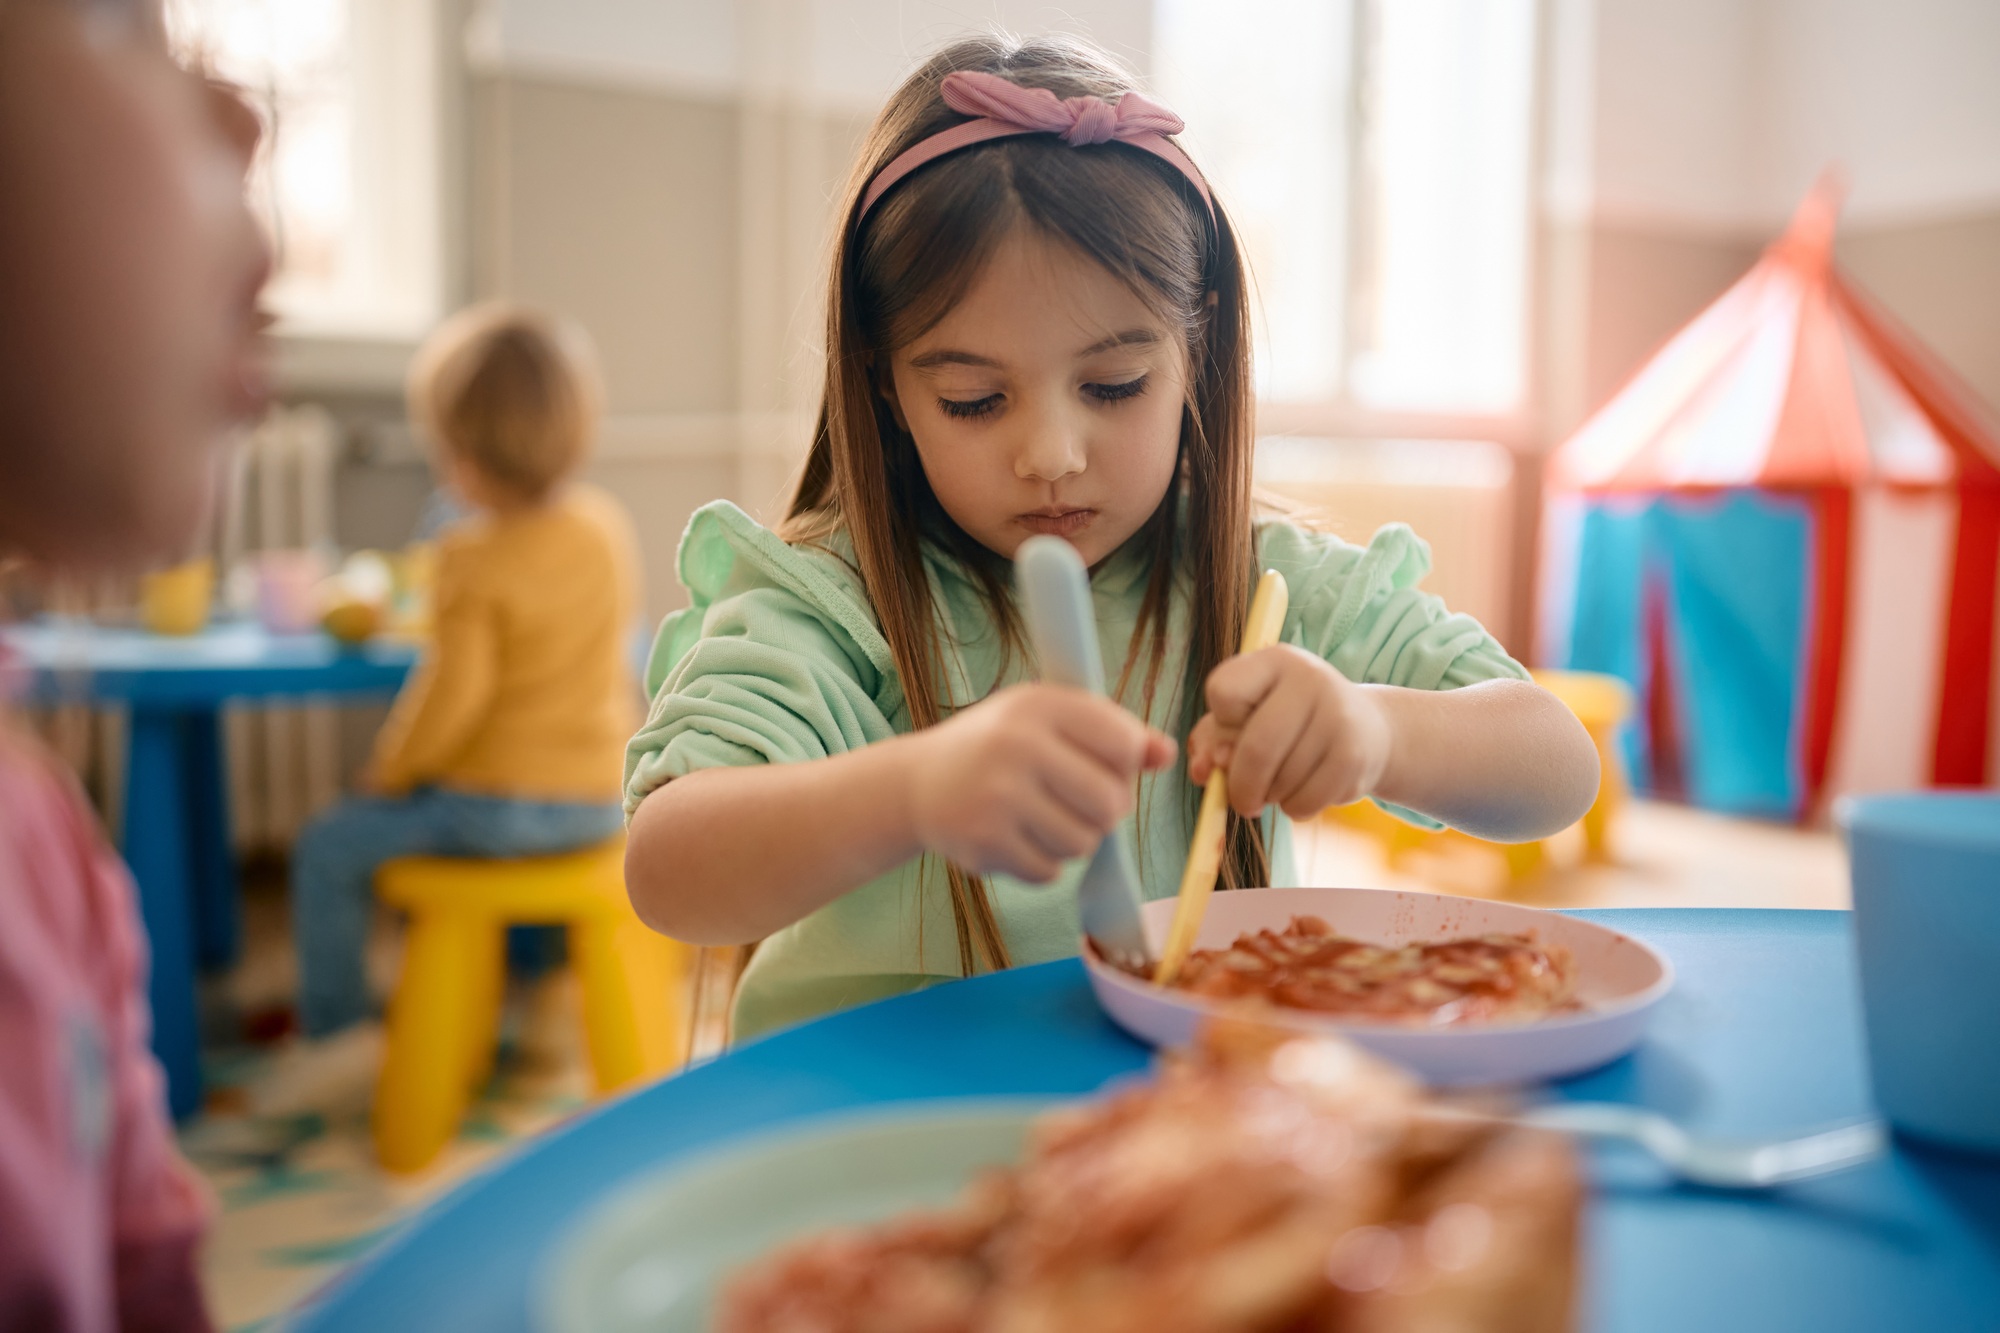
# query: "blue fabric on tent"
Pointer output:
{"type": "Point", "coordinates": [1737, 569]}
{"type": "Point", "coordinates": [1606, 632]}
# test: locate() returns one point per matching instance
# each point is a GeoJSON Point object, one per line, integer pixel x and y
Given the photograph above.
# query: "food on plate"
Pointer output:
{"type": "Point", "coordinates": [1264, 1181]}
{"type": "Point", "coordinates": [1442, 983]}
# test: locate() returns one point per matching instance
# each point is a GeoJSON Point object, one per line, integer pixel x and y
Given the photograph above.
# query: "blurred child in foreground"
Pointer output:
{"type": "Point", "coordinates": [129, 344]}
{"type": "Point", "coordinates": [509, 738]}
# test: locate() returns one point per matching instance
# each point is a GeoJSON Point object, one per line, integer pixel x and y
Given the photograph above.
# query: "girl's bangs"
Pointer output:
{"type": "Point", "coordinates": [925, 243]}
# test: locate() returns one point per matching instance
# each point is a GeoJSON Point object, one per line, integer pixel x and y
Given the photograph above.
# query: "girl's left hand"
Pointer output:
{"type": "Point", "coordinates": [1291, 731]}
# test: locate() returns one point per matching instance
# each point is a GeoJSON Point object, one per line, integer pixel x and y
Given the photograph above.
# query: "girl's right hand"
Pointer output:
{"type": "Point", "coordinates": [1028, 778]}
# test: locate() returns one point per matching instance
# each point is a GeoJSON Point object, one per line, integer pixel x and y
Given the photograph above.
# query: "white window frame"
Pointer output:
{"type": "Point", "coordinates": [409, 248]}
{"type": "Point", "coordinates": [1343, 416]}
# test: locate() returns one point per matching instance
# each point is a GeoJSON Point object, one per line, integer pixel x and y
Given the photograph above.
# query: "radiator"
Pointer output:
{"type": "Point", "coordinates": [284, 763]}
{"type": "Point", "coordinates": [1456, 494]}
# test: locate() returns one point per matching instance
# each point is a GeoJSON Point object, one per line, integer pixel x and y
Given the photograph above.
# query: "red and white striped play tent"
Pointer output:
{"type": "Point", "coordinates": [1784, 532]}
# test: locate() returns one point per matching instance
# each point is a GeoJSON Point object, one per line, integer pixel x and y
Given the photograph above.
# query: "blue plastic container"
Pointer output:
{"type": "Point", "coordinates": [1926, 869]}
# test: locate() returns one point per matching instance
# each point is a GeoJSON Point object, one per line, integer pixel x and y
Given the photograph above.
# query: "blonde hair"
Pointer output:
{"type": "Point", "coordinates": [510, 390]}
{"type": "Point", "coordinates": [900, 269]}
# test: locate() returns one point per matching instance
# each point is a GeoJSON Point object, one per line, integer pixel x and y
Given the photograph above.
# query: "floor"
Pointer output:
{"type": "Point", "coordinates": [1659, 856]}
{"type": "Point", "coordinates": [300, 1197]}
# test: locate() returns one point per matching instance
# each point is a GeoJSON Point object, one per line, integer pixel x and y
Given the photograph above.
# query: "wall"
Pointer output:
{"type": "Point", "coordinates": [1905, 92]}
{"type": "Point", "coordinates": [1710, 119]}
{"type": "Point", "coordinates": [617, 205]}
{"type": "Point", "coordinates": [666, 171]}
{"type": "Point", "coordinates": [1943, 278]}
{"type": "Point", "coordinates": [851, 53]}
{"type": "Point", "coordinates": [1908, 95]}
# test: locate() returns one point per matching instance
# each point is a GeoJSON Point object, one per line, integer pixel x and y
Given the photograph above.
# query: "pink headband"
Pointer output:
{"type": "Point", "coordinates": [1004, 108]}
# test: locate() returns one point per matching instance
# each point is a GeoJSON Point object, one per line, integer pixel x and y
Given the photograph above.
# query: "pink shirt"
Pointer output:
{"type": "Point", "coordinates": [99, 1216]}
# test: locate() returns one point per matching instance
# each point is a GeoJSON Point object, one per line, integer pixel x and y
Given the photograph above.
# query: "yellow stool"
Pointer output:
{"type": "Point", "coordinates": [1601, 703]}
{"type": "Point", "coordinates": [444, 1016]}
{"type": "Point", "coordinates": [1399, 839]}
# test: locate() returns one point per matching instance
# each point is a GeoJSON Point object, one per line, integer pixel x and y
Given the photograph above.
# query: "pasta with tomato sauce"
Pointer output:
{"type": "Point", "coordinates": [1443, 983]}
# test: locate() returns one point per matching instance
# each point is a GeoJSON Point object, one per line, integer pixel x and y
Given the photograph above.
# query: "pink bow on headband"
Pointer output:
{"type": "Point", "coordinates": [1003, 108]}
{"type": "Point", "coordinates": [1079, 120]}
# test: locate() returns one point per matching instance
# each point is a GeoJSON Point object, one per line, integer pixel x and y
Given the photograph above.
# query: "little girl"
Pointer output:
{"type": "Point", "coordinates": [1037, 325]}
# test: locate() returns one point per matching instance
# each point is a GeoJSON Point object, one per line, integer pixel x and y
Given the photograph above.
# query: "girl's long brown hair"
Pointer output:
{"type": "Point", "coordinates": [897, 275]}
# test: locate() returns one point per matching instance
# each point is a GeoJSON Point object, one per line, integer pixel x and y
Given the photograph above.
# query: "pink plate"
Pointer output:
{"type": "Point", "coordinates": [1619, 980]}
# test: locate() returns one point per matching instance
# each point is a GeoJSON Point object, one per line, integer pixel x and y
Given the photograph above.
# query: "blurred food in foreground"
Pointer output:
{"type": "Point", "coordinates": [1260, 1182]}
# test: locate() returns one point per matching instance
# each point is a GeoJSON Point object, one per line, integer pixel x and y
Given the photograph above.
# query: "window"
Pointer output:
{"type": "Point", "coordinates": [347, 179]}
{"type": "Point", "coordinates": [1375, 155]}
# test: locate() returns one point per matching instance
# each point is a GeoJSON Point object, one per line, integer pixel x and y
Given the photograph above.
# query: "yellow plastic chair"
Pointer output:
{"type": "Point", "coordinates": [1601, 703]}
{"type": "Point", "coordinates": [444, 1016]}
{"type": "Point", "coordinates": [1399, 839]}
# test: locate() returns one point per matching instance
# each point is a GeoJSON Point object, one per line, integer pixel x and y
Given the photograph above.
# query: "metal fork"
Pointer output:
{"type": "Point", "coordinates": [1727, 1164]}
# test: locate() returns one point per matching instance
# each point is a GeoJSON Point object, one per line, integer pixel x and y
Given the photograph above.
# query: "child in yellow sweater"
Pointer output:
{"type": "Point", "coordinates": [509, 737]}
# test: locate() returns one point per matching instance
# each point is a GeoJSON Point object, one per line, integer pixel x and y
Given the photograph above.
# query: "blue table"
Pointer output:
{"type": "Point", "coordinates": [176, 824]}
{"type": "Point", "coordinates": [1761, 1036]}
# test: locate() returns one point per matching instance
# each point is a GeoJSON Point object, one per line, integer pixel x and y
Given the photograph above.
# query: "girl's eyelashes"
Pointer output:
{"type": "Point", "coordinates": [969, 407]}
{"type": "Point", "coordinates": [1114, 393]}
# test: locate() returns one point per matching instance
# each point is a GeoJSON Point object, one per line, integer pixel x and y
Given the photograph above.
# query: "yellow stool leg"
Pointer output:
{"type": "Point", "coordinates": [632, 1023]}
{"type": "Point", "coordinates": [1523, 859]}
{"type": "Point", "coordinates": [1610, 796]}
{"type": "Point", "coordinates": [661, 970]}
{"type": "Point", "coordinates": [1405, 838]}
{"type": "Point", "coordinates": [486, 991]}
{"type": "Point", "coordinates": [423, 1091]}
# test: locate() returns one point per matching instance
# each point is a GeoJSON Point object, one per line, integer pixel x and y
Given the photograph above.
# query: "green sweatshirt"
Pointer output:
{"type": "Point", "coordinates": [779, 659]}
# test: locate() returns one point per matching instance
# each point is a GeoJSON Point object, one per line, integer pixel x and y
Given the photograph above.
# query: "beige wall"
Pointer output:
{"type": "Point", "coordinates": [1643, 285]}
{"type": "Point", "coordinates": [1691, 128]}
{"type": "Point", "coordinates": [665, 172]}
{"type": "Point", "coordinates": [687, 234]}
{"type": "Point", "coordinates": [618, 208]}
{"type": "Point", "coordinates": [1941, 278]}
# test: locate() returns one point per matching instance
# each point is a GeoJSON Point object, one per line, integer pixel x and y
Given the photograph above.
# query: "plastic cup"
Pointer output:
{"type": "Point", "coordinates": [177, 600]}
{"type": "Point", "coordinates": [288, 590]}
{"type": "Point", "coordinates": [1926, 869]}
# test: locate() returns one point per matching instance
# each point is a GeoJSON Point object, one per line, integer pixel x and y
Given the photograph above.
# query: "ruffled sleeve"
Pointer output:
{"type": "Point", "coordinates": [777, 659]}
{"type": "Point", "coordinates": [1360, 609]}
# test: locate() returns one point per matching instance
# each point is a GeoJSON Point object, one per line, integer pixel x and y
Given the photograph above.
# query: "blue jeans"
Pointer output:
{"type": "Point", "coordinates": [334, 863]}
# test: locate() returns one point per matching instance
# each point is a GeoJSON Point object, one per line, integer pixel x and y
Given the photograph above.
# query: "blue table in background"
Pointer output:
{"type": "Point", "coordinates": [1761, 1036]}
{"type": "Point", "coordinates": [176, 823]}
